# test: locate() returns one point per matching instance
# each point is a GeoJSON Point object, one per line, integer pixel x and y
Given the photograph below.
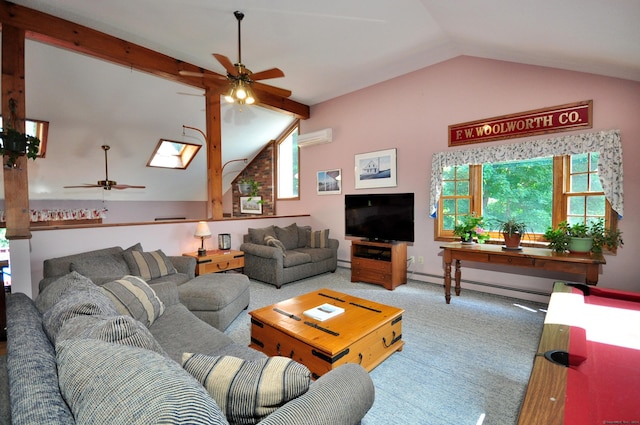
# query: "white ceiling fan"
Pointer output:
{"type": "Point", "coordinates": [106, 184]}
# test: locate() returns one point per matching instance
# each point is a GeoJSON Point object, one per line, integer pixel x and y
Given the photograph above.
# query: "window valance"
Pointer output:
{"type": "Point", "coordinates": [606, 143]}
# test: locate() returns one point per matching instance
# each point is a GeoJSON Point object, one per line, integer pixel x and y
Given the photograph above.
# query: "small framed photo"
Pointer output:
{"type": "Point", "coordinates": [251, 204]}
{"type": "Point", "coordinates": [329, 182]}
{"type": "Point", "coordinates": [376, 169]}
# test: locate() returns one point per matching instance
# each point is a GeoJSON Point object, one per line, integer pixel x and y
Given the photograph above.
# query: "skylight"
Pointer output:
{"type": "Point", "coordinates": [172, 154]}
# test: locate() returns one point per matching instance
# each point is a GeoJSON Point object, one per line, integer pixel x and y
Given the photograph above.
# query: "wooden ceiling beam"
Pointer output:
{"type": "Point", "coordinates": [59, 32]}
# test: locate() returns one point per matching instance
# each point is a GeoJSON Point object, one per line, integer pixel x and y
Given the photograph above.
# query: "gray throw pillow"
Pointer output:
{"type": "Point", "coordinates": [132, 296]}
{"type": "Point", "coordinates": [117, 329]}
{"type": "Point", "coordinates": [248, 391]}
{"type": "Point", "coordinates": [304, 233]}
{"type": "Point", "coordinates": [51, 294]}
{"type": "Point", "coordinates": [288, 235]}
{"type": "Point", "coordinates": [107, 383]}
{"type": "Point", "coordinates": [76, 302]}
{"type": "Point", "coordinates": [257, 235]}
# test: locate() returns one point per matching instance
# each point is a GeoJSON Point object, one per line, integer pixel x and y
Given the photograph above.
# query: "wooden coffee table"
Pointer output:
{"type": "Point", "coordinates": [366, 333]}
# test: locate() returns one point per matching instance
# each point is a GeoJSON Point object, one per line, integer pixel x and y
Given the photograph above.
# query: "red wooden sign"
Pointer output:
{"type": "Point", "coordinates": [540, 121]}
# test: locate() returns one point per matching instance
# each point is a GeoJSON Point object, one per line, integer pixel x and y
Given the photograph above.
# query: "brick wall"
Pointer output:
{"type": "Point", "coordinates": [262, 170]}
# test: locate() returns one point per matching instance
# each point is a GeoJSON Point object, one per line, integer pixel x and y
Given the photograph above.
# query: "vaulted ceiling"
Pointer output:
{"type": "Point", "coordinates": [325, 48]}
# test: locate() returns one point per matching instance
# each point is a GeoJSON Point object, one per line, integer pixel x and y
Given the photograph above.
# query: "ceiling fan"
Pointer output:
{"type": "Point", "coordinates": [240, 77]}
{"type": "Point", "coordinates": [106, 184]}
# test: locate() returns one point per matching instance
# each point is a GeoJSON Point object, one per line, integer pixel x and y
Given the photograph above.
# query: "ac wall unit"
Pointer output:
{"type": "Point", "coordinates": [315, 138]}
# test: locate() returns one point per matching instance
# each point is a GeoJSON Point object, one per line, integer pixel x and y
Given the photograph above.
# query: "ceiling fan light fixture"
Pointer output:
{"type": "Point", "coordinates": [241, 93]}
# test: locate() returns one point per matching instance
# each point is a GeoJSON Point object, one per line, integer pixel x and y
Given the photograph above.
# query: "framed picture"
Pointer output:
{"type": "Point", "coordinates": [376, 169]}
{"type": "Point", "coordinates": [329, 182]}
{"type": "Point", "coordinates": [251, 204]}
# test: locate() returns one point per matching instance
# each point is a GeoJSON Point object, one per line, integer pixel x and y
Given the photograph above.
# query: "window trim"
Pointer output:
{"type": "Point", "coordinates": [607, 143]}
{"type": "Point", "coordinates": [560, 195]}
{"type": "Point", "coordinates": [295, 125]}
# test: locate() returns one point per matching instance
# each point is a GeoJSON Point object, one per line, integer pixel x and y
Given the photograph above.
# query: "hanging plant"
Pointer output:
{"type": "Point", "coordinates": [14, 143]}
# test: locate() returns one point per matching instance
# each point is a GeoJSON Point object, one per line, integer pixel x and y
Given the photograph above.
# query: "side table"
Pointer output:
{"type": "Point", "coordinates": [217, 261]}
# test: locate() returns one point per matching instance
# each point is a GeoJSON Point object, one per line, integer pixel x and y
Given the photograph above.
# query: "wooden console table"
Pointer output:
{"type": "Point", "coordinates": [587, 265]}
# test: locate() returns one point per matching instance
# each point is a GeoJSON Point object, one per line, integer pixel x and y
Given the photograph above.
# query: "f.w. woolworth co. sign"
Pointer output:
{"type": "Point", "coordinates": [540, 121]}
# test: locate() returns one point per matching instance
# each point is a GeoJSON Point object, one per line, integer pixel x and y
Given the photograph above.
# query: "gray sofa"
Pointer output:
{"type": "Point", "coordinates": [72, 357]}
{"type": "Point", "coordinates": [215, 298]}
{"type": "Point", "coordinates": [279, 255]}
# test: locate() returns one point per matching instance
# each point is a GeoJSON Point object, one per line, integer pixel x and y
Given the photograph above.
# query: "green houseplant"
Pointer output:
{"type": "Point", "coordinates": [15, 143]}
{"type": "Point", "coordinates": [512, 230]}
{"type": "Point", "coordinates": [581, 237]}
{"type": "Point", "coordinates": [247, 186]}
{"type": "Point", "coordinates": [470, 228]}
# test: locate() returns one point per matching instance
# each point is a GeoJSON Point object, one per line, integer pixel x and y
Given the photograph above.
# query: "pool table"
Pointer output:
{"type": "Point", "coordinates": [587, 366]}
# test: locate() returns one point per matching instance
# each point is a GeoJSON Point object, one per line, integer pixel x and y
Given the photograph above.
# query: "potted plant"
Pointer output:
{"type": "Point", "coordinates": [247, 186]}
{"type": "Point", "coordinates": [558, 239]}
{"type": "Point", "coordinates": [512, 230]}
{"type": "Point", "coordinates": [15, 143]}
{"type": "Point", "coordinates": [581, 237]}
{"type": "Point", "coordinates": [470, 228]}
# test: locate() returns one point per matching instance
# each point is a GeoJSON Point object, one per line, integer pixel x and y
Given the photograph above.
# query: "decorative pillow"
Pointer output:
{"type": "Point", "coordinates": [132, 296]}
{"type": "Point", "coordinates": [106, 383]}
{"type": "Point", "coordinates": [288, 235]}
{"type": "Point", "coordinates": [257, 235]}
{"type": "Point", "coordinates": [136, 247]}
{"type": "Point", "coordinates": [248, 391]}
{"type": "Point", "coordinates": [104, 266]}
{"type": "Point", "coordinates": [148, 265]}
{"type": "Point", "coordinates": [51, 294]}
{"type": "Point", "coordinates": [118, 329]}
{"type": "Point", "coordinates": [271, 241]}
{"type": "Point", "coordinates": [319, 239]}
{"type": "Point", "coordinates": [76, 301]}
{"type": "Point", "coordinates": [304, 233]}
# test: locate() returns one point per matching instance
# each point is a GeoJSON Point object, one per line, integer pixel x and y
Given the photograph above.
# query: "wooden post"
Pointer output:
{"type": "Point", "coordinates": [214, 154]}
{"type": "Point", "coordinates": [16, 185]}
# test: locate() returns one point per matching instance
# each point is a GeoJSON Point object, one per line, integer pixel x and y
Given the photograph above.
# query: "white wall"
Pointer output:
{"type": "Point", "coordinates": [171, 238]}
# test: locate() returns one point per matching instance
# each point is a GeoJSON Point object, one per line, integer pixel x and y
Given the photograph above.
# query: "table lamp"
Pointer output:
{"type": "Point", "coordinates": [202, 232]}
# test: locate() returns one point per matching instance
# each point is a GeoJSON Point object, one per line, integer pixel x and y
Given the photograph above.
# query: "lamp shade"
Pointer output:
{"type": "Point", "coordinates": [202, 230]}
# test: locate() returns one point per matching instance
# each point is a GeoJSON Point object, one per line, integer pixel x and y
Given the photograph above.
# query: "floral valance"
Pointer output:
{"type": "Point", "coordinates": [606, 143]}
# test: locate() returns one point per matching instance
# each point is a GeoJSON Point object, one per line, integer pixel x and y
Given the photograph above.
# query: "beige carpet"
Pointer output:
{"type": "Point", "coordinates": [460, 361]}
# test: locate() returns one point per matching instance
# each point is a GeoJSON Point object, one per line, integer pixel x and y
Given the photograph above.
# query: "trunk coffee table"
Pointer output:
{"type": "Point", "coordinates": [365, 333]}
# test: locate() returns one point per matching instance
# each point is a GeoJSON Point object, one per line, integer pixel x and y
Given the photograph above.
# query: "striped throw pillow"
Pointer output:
{"type": "Point", "coordinates": [248, 391]}
{"type": "Point", "coordinates": [319, 239]}
{"type": "Point", "coordinates": [134, 297]}
{"type": "Point", "coordinates": [107, 383]}
{"type": "Point", "coordinates": [148, 265]}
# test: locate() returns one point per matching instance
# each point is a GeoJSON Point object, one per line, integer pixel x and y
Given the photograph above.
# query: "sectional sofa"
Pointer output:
{"type": "Point", "coordinates": [129, 351]}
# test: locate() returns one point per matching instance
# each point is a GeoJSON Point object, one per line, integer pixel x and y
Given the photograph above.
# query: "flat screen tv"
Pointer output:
{"type": "Point", "coordinates": [380, 217]}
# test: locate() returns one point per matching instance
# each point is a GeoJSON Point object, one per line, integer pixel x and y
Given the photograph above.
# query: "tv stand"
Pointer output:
{"type": "Point", "coordinates": [382, 263]}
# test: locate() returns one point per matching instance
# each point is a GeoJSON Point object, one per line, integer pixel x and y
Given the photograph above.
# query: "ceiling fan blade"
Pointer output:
{"type": "Point", "coordinates": [271, 89]}
{"type": "Point", "coordinates": [227, 64]}
{"type": "Point", "coordinates": [127, 186]}
{"type": "Point", "coordinates": [202, 75]}
{"type": "Point", "coordinates": [267, 74]}
{"type": "Point", "coordinates": [84, 186]}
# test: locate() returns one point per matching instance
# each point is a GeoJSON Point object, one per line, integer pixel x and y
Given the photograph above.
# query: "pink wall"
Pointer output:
{"type": "Point", "coordinates": [412, 113]}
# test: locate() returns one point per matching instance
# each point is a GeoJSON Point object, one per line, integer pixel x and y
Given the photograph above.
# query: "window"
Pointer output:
{"type": "Point", "coordinates": [526, 190]}
{"type": "Point", "coordinates": [288, 164]}
{"type": "Point", "coordinates": [39, 129]}
{"type": "Point", "coordinates": [172, 154]}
